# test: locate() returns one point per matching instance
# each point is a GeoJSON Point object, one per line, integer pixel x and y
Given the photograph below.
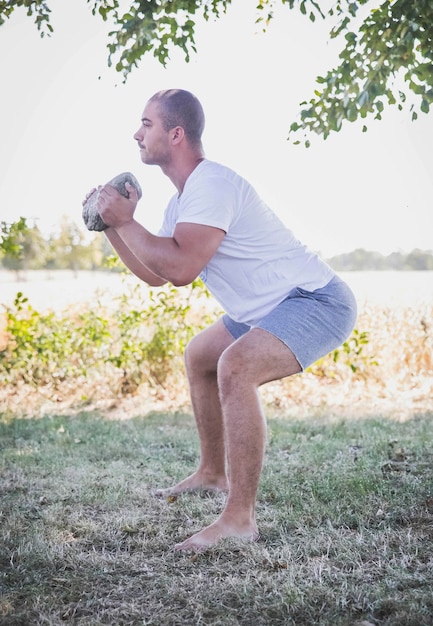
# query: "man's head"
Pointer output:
{"type": "Point", "coordinates": [172, 119]}
{"type": "Point", "coordinates": [178, 107]}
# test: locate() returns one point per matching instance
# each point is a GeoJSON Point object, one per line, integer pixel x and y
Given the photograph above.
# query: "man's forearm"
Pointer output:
{"type": "Point", "coordinates": [131, 261]}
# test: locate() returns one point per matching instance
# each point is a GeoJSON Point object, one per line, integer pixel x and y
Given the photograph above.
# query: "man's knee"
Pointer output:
{"type": "Point", "coordinates": [231, 370]}
{"type": "Point", "coordinates": [200, 356]}
{"type": "Point", "coordinates": [204, 350]}
{"type": "Point", "coordinates": [194, 353]}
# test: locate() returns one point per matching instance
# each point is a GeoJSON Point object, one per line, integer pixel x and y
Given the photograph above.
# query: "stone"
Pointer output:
{"type": "Point", "coordinates": [90, 214]}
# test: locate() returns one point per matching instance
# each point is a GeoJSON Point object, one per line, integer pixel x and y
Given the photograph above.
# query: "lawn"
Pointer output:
{"type": "Point", "coordinates": [345, 512]}
{"type": "Point", "coordinates": [95, 415]}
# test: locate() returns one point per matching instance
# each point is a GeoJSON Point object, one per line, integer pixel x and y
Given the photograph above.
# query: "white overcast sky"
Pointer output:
{"type": "Point", "coordinates": [67, 120]}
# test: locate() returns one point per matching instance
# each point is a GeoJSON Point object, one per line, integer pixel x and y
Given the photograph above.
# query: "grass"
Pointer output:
{"type": "Point", "coordinates": [345, 510]}
{"type": "Point", "coordinates": [345, 506]}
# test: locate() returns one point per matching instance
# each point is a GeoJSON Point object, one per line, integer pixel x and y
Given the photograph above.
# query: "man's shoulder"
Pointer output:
{"type": "Point", "coordinates": [216, 174]}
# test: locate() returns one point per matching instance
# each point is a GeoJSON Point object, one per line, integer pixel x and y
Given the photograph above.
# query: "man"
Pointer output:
{"type": "Point", "coordinates": [285, 307]}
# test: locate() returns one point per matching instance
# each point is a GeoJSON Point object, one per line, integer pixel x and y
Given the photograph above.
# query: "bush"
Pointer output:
{"type": "Point", "coordinates": [136, 346]}
{"type": "Point", "coordinates": [141, 341]}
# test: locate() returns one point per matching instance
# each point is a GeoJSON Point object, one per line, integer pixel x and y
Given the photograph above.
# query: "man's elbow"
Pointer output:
{"type": "Point", "coordinates": [181, 277]}
{"type": "Point", "coordinates": [181, 282]}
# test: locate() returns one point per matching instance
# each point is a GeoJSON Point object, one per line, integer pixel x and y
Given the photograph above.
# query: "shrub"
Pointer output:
{"type": "Point", "coordinates": [142, 341]}
{"type": "Point", "coordinates": [138, 343]}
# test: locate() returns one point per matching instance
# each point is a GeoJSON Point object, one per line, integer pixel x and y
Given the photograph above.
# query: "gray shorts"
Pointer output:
{"type": "Point", "coordinates": [310, 323]}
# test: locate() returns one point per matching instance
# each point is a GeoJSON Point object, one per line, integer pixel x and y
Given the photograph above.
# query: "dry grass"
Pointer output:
{"type": "Point", "coordinates": [345, 506]}
{"type": "Point", "coordinates": [345, 511]}
{"type": "Point", "coordinates": [399, 385]}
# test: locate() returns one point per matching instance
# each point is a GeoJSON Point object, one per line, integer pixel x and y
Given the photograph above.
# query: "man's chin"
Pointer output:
{"type": "Point", "coordinates": [146, 158]}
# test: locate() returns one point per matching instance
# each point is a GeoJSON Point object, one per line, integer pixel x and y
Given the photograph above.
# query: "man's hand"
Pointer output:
{"type": "Point", "coordinates": [114, 208]}
{"type": "Point", "coordinates": [119, 199]}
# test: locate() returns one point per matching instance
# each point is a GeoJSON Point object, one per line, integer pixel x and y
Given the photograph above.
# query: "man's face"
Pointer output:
{"type": "Point", "coordinates": [151, 137]}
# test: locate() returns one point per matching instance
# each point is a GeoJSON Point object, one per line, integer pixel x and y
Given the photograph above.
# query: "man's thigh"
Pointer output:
{"type": "Point", "coordinates": [259, 357]}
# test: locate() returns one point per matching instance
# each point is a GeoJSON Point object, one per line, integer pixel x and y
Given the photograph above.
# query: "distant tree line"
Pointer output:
{"type": "Point", "coordinates": [365, 260]}
{"type": "Point", "coordinates": [23, 247]}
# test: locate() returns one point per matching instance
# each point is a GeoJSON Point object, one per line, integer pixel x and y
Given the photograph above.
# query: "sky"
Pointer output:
{"type": "Point", "coordinates": [67, 122]}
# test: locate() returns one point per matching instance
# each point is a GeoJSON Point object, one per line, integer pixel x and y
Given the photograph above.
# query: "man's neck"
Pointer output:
{"type": "Point", "coordinates": [179, 173]}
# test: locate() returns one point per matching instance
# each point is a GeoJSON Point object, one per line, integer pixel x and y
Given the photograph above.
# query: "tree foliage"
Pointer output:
{"type": "Point", "coordinates": [387, 51]}
{"type": "Point", "coordinates": [389, 55]}
{"type": "Point", "coordinates": [11, 238]}
{"type": "Point", "coordinates": [24, 247]}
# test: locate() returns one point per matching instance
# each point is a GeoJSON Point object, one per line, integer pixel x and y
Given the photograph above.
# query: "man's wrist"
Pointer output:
{"type": "Point", "coordinates": [125, 226]}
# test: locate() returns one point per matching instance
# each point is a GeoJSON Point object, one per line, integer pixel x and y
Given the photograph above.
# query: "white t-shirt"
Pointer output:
{"type": "Point", "coordinates": [259, 261]}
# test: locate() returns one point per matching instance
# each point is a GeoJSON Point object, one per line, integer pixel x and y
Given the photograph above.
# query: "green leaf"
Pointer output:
{"type": "Point", "coordinates": [425, 106]}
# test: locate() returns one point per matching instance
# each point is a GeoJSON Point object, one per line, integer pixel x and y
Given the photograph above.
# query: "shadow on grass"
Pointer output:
{"type": "Point", "coordinates": [345, 510]}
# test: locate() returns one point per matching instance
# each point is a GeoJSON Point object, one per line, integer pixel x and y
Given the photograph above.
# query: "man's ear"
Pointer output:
{"type": "Point", "coordinates": [177, 134]}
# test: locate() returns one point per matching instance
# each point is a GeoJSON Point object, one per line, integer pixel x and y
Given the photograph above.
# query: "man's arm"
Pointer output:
{"type": "Point", "coordinates": [178, 259]}
{"type": "Point", "coordinates": [131, 261]}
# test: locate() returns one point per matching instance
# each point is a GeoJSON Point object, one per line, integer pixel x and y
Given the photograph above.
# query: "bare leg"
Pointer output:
{"type": "Point", "coordinates": [256, 358]}
{"type": "Point", "coordinates": [201, 360]}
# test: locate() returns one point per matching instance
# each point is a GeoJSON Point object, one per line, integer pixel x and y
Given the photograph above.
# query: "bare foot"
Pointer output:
{"type": "Point", "coordinates": [195, 482]}
{"type": "Point", "coordinates": [215, 532]}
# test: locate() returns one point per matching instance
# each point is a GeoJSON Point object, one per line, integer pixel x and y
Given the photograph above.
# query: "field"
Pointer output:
{"type": "Point", "coordinates": [345, 506]}
{"type": "Point", "coordinates": [345, 511]}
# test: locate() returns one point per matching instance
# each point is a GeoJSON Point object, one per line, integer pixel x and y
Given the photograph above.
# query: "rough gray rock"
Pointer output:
{"type": "Point", "coordinates": [91, 217]}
